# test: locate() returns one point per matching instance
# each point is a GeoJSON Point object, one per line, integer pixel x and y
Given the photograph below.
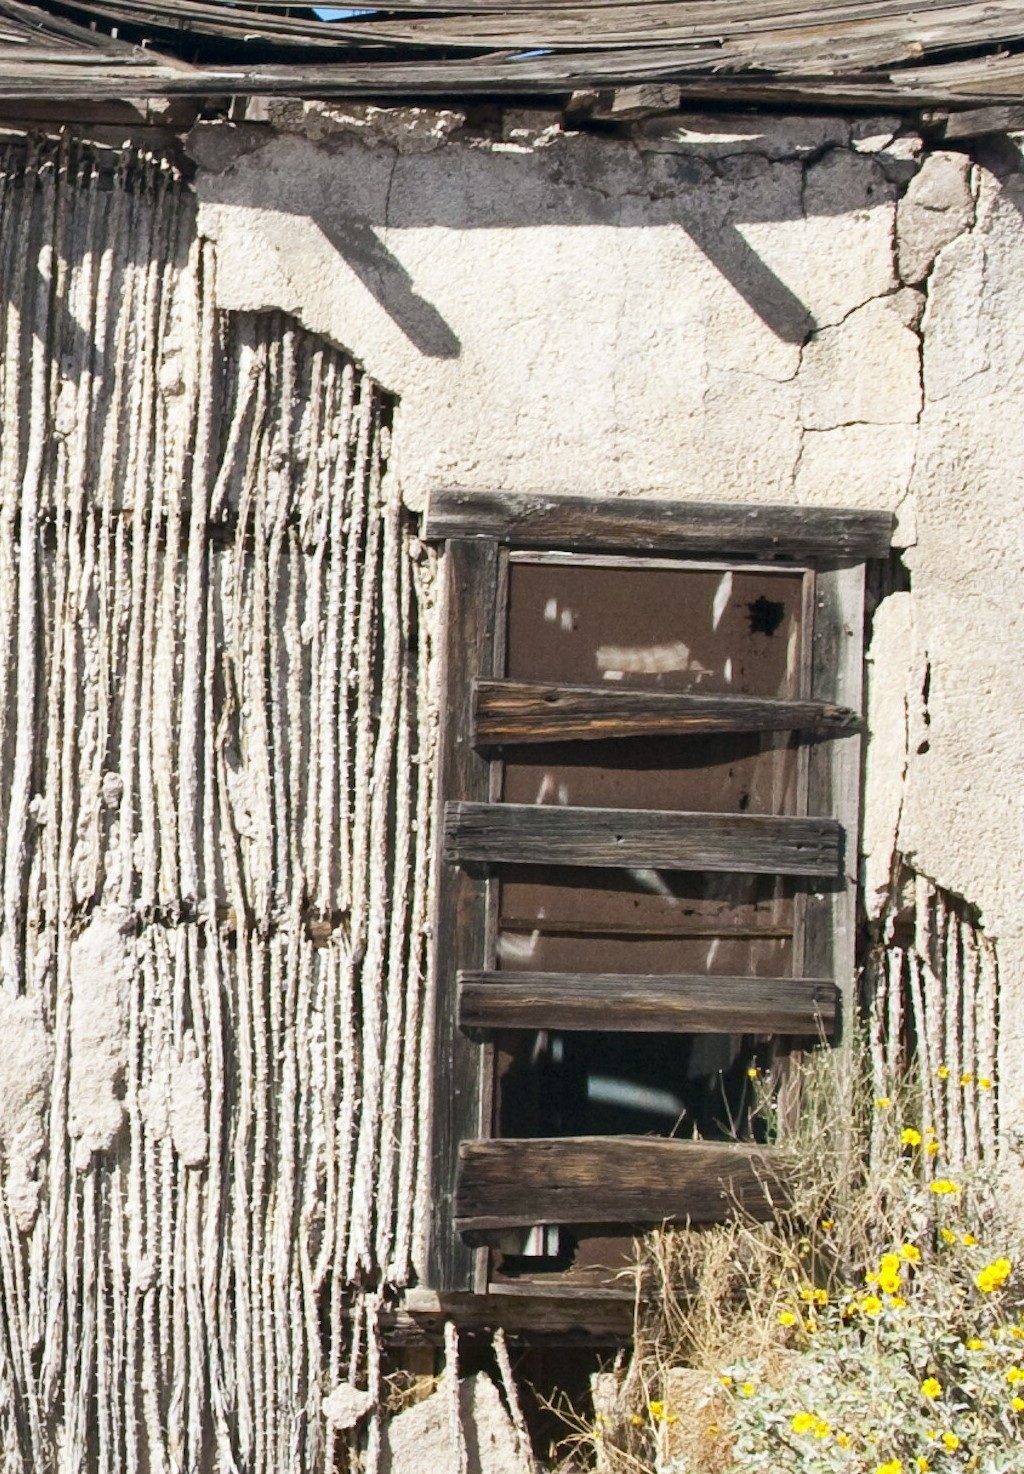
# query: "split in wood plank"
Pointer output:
{"type": "Point", "coordinates": [540, 711]}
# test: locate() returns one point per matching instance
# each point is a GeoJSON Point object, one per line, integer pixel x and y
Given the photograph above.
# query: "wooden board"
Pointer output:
{"type": "Point", "coordinates": [865, 53]}
{"type": "Point", "coordinates": [725, 529]}
{"type": "Point", "coordinates": [469, 589]}
{"type": "Point", "coordinates": [658, 839]}
{"type": "Point", "coordinates": [609, 1179]}
{"type": "Point", "coordinates": [661, 1005]}
{"type": "Point", "coordinates": [535, 1315]}
{"type": "Point", "coordinates": [834, 778]}
{"type": "Point", "coordinates": [539, 711]}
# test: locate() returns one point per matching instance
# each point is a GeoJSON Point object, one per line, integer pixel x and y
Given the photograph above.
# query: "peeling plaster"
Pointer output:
{"type": "Point", "coordinates": [715, 307]}
{"type": "Point", "coordinates": [26, 1067]}
{"type": "Point", "coordinates": [725, 308]}
{"type": "Point", "coordinates": [101, 970]}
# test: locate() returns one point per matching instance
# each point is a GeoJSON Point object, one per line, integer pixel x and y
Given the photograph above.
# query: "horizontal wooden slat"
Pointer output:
{"type": "Point", "coordinates": [537, 1314]}
{"type": "Point", "coordinates": [601, 926]}
{"type": "Point", "coordinates": [539, 711]}
{"type": "Point", "coordinates": [633, 525]}
{"type": "Point", "coordinates": [608, 1179]}
{"type": "Point", "coordinates": [616, 1002]}
{"type": "Point", "coordinates": [652, 839]}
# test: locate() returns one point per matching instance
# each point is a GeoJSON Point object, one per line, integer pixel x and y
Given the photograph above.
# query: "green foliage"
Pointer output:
{"type": "Point", "coordinates": [874, 1327]}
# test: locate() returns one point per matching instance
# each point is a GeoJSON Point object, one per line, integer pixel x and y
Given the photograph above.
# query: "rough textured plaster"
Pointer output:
{"type": "Point", "coordinates": [963, 815]}
{"type": "Point", "coordinates": [26, 1068]}
{"type": "Point", "coordinates": [714, 307]}
{"type": "Point", "coordinates": [214, 1131]}
{"type": "Point", "coordinates": [101, 971]}
{"type": "Point", "coordinates": [937, 207]}
{"type": "Point", "coordinates": [671, 282]}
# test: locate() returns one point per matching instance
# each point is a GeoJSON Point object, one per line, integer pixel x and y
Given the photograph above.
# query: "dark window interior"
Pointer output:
{"type": "Point", "coordinates": [711, 630]}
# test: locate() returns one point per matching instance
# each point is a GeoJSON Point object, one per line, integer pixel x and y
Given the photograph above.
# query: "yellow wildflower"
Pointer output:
{"type": "Point", "coordinates": [883, 1102]}
{"type": "Point", "coordinates": [786, 1318]}
{"type": "Point", "coordinates": [637, 1420]}
{"type": "Point", "coordinates": [942, 1072]}
{"type": "Point", "coordinates": [984, 1083]}
{"type": "Point", "coordinates": [897, 1302]}
{"type": "Point", "coordinates": [870, 1305]}
{"type": "Point", "coordinates": [943, 1188]}
{"type": "Point", "coordinates": [951, 1441]}
{"type": "Point", "coordinates": [1017, 1403]}
{"type": "Point", "coordinates": [932, 1148]}
{"type": "Point", "coordinates": [922, 1463]}
{"type": "Point", "coordinates": [802, 1422]}
{"type": "Point", "coordinates": [910, 1137]}
{"type": "Point", "coordinates": [725, 1379]}
{"type": "Point", "coordinates": [931, 1388]}
{"type": "Point", "coordinates": [911, 1253]}
{"type": "Point", "coordinates": [811, 1295]}
{"type": "Point", "coordinates": [821, 1429]}
{"type": "Point", "coordinates": [843, 1439]}
{"type": "Point", "coordinates": [975, 1344]}
{"type": "Point", "coordinates": [656, 1410]}
{"type": "Point", "coordinates": [1015, 1375]}
{"type": "Point", "coordinates": [993, 1276]}
{"type": "Point", "coordinates": [753, 1072]}
{"type": "Point", "coordinates": [947, 1235]}
{"type": "Point", "coordinates": [746, 1389]}
{"type": "Point", "coordinates": [893, 1466]}
{"type": "Point", "coordinates": [827, 1224]}
{"type": "Point", "coordinates": [966, 1078]}
{"type": "Point", "coordinates": [968, 1240]}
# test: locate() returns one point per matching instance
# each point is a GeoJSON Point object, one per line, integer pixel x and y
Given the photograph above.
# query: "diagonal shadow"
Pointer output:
{"type": "Point", "coordinates": [466, 193]}
{"type": "Point", "coordinates": [389, 282]}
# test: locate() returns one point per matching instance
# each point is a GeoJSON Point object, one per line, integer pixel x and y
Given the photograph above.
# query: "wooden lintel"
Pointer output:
{"type": "Point", "coordinates": [513, 712]}
{"type": "Point", "coordinates": [507, 1183]}
{"type": "Point", "coordinates": [655, 839]}
{"type": "Point", "coordinates": [722, 529]}
{"type": "Point", "coordinates": [661, 1005]}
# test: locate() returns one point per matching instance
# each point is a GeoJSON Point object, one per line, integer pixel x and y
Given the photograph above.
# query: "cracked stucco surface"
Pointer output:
{"type": "Point", "coordinates": [749, 309]}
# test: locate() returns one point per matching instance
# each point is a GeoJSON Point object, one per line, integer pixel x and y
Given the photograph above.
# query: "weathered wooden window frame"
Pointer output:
{"type": "Point", "coordinates": [479, 532]}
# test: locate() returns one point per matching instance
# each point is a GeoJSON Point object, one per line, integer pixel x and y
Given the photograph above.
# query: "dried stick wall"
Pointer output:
{"type": "Point", "coordinates": [935, 985]}
{"type": "Point", "coordinates": [214, 844]}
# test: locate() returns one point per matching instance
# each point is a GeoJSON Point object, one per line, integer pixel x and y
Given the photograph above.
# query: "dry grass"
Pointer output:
{"type": "Point", "coordinates": [743, 1295]}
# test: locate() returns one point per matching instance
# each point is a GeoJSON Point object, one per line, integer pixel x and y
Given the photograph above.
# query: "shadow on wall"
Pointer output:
{"type": "Point", "coordinates": [581, 179]}
{"type": "Point", "coordinates": [385, 276]}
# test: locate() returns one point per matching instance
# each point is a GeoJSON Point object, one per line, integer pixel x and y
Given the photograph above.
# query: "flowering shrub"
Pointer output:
{"type": "Point", "coordinates": [918, 1368]}
{"type": "Point", "coordinates": [875, 1327]}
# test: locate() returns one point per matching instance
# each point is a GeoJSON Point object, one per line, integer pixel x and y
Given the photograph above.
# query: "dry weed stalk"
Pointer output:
{"type": "Point", "coordinates": [877, 1261]}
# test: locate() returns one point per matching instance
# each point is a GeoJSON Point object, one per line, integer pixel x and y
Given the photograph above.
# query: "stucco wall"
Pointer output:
{"type": "Point", "coordinates": [812, 310]}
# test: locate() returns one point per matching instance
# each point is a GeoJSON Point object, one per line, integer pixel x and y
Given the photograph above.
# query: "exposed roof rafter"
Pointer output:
{"type": "Point", "coordinates": [859, 53]}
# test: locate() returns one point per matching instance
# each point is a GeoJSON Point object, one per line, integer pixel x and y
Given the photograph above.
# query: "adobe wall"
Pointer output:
{"type": "Point", "coordinates": [808, 310]}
